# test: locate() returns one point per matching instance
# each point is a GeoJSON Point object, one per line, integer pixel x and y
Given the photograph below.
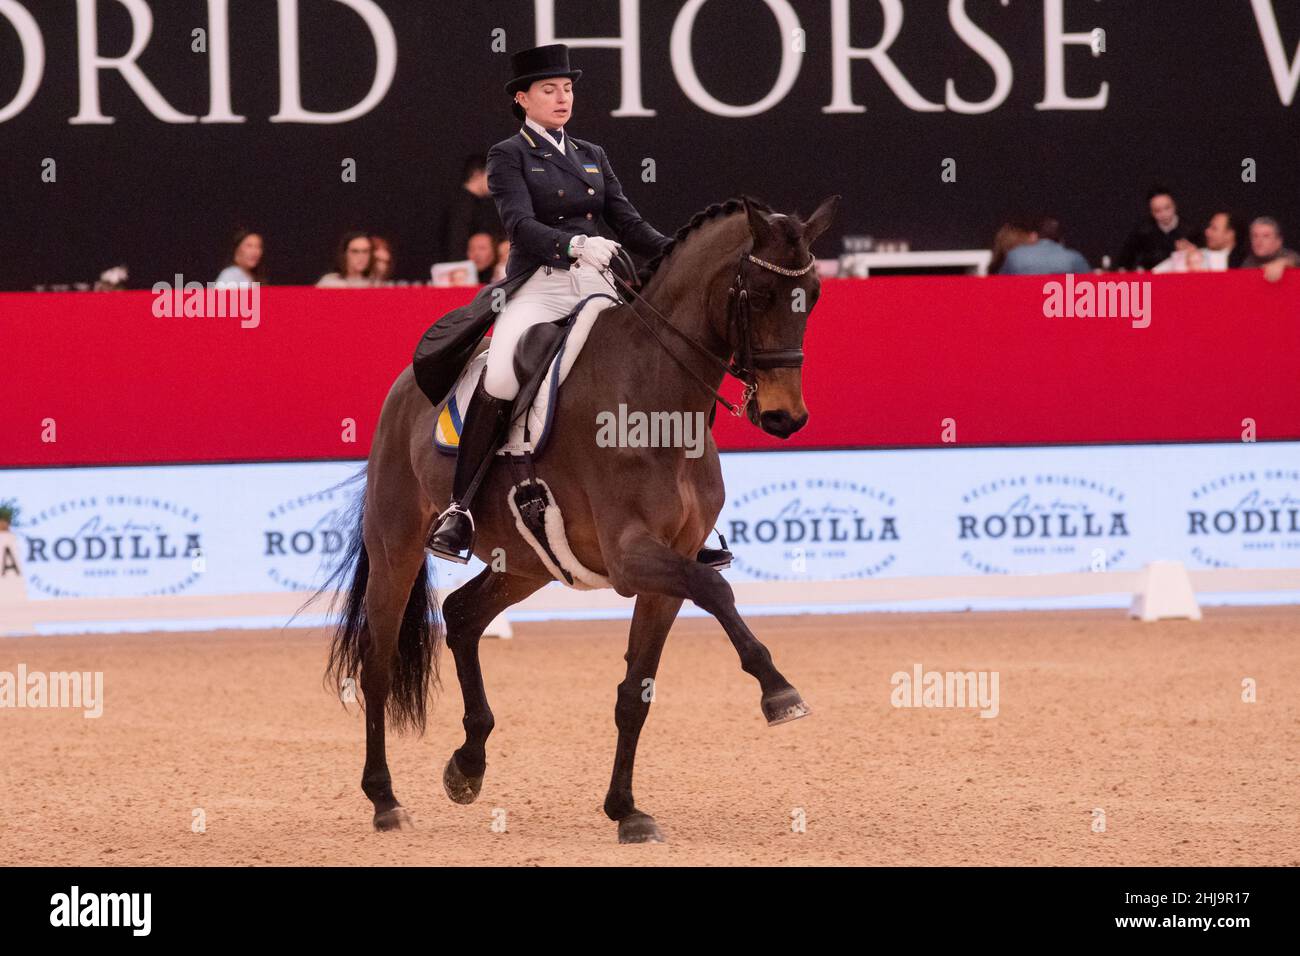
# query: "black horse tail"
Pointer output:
{"type": "Point", "coordinates": [420, 636]}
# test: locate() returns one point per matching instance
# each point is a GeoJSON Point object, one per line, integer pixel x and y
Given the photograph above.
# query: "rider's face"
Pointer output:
{"type": "Point", "coordinates": [549, 102]}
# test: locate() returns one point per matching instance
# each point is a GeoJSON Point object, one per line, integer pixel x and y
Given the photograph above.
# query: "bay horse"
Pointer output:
{"type": "Point", "coordinates": [737, 280]}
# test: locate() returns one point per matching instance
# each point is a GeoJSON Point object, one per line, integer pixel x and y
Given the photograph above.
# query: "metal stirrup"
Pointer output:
{"type": "Point", "coordinates": [455, 508]}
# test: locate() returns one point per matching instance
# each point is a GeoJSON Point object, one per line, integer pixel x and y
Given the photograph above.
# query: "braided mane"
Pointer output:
{"type": "Point", "coordinates": [709, 213]}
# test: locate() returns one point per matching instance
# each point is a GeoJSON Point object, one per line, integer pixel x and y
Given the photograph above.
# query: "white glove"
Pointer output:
{"type": "Point", "coordinates": [598, 251]}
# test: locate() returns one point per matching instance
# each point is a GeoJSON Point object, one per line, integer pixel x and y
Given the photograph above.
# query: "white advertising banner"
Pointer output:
{"type": "Point", "coordinates": [235, 529]}
{"type": "Point", "coordinates": [828, 515]}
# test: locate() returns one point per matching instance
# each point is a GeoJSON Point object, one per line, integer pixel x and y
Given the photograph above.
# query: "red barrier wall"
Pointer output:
{"type": "Point", "coordinates": [887, 360]}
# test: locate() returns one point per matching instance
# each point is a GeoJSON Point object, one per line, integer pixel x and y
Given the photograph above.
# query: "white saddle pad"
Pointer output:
{"type": "Point", "coordinates": [529, 432]}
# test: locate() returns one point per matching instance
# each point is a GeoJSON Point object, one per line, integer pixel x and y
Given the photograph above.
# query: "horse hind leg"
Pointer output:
{"type": "Point", "coordinates": [399, 665]}
{"type": "Point", "coordinates": [355, 652]}
{"type": "Point", "coordinates": [376, 781]}
{"type": "Point", "coordinates": [467, 611]}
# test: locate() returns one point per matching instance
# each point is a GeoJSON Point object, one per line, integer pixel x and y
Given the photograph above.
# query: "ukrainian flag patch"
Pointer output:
{"type": "Point", "coordinates": [447, 433]}
{"type": "Point", "coordinates": [591, 168]}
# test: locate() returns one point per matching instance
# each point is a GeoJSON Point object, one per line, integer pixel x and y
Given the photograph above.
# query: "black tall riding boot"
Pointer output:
{"type": "Point", "coordinates": [483, 428]}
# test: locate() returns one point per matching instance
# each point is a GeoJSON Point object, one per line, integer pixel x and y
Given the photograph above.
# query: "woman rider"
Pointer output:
{"type": "Point", "coordinates": [551, 191]}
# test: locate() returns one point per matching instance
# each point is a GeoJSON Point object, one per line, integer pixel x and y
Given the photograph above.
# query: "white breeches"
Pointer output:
{"type": "Point", "coordinates": [542, 298]}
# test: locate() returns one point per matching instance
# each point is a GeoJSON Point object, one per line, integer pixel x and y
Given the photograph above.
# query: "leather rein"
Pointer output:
{"type": "Point", "coordinates": [745, 360]}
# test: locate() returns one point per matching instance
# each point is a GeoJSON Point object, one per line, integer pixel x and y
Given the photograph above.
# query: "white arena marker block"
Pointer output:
{"type": "Point", "coordinates": [500, 627]}
{"type": "Point", "coordinates": [13, 587]}
{"type": "Point", "coordinates": [1166, 593]}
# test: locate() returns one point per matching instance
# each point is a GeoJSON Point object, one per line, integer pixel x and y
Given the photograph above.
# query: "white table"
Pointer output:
{"type": "Point", "coordinates": [973, 261]}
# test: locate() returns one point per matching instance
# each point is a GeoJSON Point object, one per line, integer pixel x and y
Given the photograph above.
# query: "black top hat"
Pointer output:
{"type": "Point", "coordinates": [539, 63]}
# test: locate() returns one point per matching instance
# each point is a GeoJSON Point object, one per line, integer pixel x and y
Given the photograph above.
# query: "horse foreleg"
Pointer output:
{"type": "Point", "coordinates": [651, 620]}
{"type": "Point", "coordinates": [643, 565]}
{"type": "Point", "coordinates": [467, 611]}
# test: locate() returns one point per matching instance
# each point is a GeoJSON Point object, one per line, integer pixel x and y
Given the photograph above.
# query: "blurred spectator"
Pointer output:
{"type": "Point", "coordinates": [351, 264]}
{"type": "Point", "coordinates": [471, 210]}
{"type": "Point", "coordinates": [1267, 251]}
{"type": "Point", "coordinates": [446, 274]}
{"type": "Point", "coordinates": [1158, 236]}
{"type": "Point", "coordinates": [1010, 236]}
{"type": "Point", "coordinates": [381, 260]}
{"type": "Point", "coordinates": [1219, 253]}
{"type": "Point", "coordinates": [112, 280]}
{"type": "Point", "coordinates": [482, 251]}
{"type": "Point", "coordinates": [247, 264]}
{"type": "Point", "coordinates": [1044, 254]}
{"type": "Point", "coordinates": [503, 257]}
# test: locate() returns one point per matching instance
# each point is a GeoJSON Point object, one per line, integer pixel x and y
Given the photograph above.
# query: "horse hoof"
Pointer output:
{"type": "Point", "coordinates": [394, 819]}
{"type": "Point", "coordinates": [639, 828]}
{"type": "Point", "coordinates": [784, 706]}
{"type": "Point", "coordinates": [460, 788]}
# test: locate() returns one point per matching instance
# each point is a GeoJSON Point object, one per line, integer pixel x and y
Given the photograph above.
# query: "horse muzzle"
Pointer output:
{"type": "Point", "coordinates": [779, 422]}
{"type": "Point", "coordinates": [777, 404]}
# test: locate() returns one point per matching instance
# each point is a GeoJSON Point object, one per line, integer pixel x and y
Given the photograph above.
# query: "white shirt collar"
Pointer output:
{"type": "Point", "coordinates": [541, 131]}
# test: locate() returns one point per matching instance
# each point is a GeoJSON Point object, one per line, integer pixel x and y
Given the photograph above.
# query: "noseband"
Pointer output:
{"type": "Point", "coordinates": [745, 360]}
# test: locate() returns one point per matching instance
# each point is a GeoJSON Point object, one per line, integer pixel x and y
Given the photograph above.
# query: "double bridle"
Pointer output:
{"type": "Point", "coordinates": [745, 360]}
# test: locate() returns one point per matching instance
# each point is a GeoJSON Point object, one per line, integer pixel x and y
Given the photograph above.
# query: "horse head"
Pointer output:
{"type": "Point", "coordinates": [775, 289]}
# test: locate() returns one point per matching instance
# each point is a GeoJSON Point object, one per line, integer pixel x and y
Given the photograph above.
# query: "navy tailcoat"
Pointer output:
{"type": "Point", "coordinates": [545, 198]}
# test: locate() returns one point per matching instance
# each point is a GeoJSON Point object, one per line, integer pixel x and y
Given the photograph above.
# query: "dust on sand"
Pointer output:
{"type": "Point", "coordinates": [1144, 723]}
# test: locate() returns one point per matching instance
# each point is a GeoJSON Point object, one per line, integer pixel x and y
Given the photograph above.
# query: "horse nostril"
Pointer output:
{"type": "Point", "coordinates": [779, 423]}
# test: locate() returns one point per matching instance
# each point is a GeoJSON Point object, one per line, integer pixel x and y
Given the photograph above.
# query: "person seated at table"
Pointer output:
{"type": "Point", "coordinates": [1044, 254]}
{"type": "Point", "coordinates": [381, 261]}
{"type": "Point", "coordinates": [352, 263]}
{"type": "Point", "coordinates": [246, 264]}
{"type": "Point", "coordinates": [482, 251]}
{"type": "Point", "coordinates": [1267, 251]}
{"type": "Point", "coordinates": [1158, 236]}
{"type": "Point", "coordinates": [1219, 253]}
{"type": "Point", "coordinates": [503, 257]}
{"type": "Point", "coordinates": [1009, 236]}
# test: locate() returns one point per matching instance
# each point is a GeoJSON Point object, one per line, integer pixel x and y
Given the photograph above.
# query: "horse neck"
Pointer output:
{"type": "Point", "coordinates": [693, 296]}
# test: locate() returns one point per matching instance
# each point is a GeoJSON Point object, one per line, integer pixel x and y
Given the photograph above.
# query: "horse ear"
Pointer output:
{"type": "Point", "coordinates": [816, 223]}
{"type": "Point", "coordinates": [759, 227]}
